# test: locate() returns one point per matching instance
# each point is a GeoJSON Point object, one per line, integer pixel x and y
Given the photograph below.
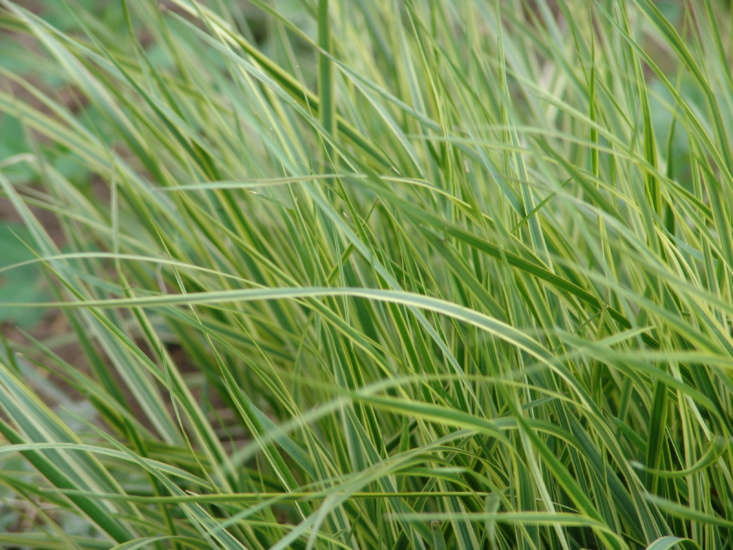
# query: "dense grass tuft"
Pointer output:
{"type": "Point", "coordinates": [371, 274]}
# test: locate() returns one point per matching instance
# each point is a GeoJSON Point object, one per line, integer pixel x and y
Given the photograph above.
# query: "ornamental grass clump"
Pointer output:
{"type": "Point", "coordinates": [368, 274]}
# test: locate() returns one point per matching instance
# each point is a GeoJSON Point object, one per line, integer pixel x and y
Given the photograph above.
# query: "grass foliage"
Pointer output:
{"type": "Point", "coordinates": [374, 274]}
